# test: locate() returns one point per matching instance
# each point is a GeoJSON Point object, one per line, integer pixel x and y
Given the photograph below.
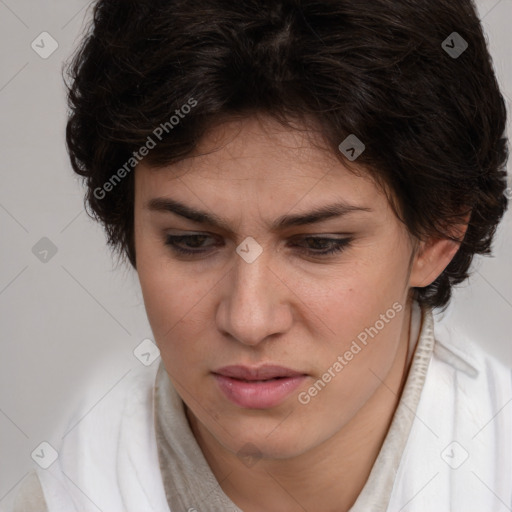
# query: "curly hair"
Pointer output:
{"type": "Point", "coordinates": [433, 121]}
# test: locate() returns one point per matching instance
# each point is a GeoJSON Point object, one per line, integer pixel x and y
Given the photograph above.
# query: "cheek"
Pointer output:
{"type": "Point", "coordinates": [361, 302]}
{"type": "Point", "coordinates": [176, 303]}
{"type": "Point", "coordinates": [353, 296]}
{"type": "Point", "coordinates": [171, 298]}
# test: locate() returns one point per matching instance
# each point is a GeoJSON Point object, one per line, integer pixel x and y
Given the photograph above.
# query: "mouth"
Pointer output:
{"type": "Point", "coordinates": [257, 388]}
{"type": "Point", "coordinates": [262, 373]}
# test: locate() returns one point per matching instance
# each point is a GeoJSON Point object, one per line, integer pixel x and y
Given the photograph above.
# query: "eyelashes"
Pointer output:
{"type": "Point", "coordinates": [192, 245]}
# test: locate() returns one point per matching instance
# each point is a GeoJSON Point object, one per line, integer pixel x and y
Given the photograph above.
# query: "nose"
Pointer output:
{"type": "Point", "coordinates": [255, 302]}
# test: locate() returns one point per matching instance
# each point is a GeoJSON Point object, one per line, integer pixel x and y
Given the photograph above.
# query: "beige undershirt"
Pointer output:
{"type": "Point", "coordinates": [190, 484]}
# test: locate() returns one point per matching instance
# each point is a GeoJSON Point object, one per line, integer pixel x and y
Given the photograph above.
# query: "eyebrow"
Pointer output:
{"type": "Point", "coordinates": [164, 204]}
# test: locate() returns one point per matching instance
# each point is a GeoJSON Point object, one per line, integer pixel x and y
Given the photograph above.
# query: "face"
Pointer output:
{"type": "Point", "coordinates": [260, 284]}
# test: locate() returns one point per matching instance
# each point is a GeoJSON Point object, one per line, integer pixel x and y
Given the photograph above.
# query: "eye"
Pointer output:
{"type": "Point", "coordinates": [194, 242]}
{"type": "Point", "coordinates": [315, 245]}
{"type": "Point", "coordinates": [329, 245]}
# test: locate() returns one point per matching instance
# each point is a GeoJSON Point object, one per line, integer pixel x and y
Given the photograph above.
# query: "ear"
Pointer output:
{"type": "Point", "coordinates": [434, 255]}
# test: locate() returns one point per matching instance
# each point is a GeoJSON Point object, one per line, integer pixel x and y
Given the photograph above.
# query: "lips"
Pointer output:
{"type": "Point", "coordinates": [262, 373]}
{"type": "Point", "coordinates": [257, 388]}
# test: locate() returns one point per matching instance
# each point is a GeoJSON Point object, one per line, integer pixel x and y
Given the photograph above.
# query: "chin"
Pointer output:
{"type": "Point", "coordinates": [266, 443]}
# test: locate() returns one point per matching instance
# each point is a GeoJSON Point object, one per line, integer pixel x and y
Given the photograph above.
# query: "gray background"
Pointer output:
{"type": "Point", "coordinates": [75, 320]}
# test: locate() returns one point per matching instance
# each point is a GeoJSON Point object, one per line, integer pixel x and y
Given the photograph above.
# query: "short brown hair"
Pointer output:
{"type": "Point", "coordinates": [432, 121]}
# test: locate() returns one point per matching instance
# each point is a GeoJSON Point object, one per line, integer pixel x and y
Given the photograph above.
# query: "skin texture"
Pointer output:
{"type": "Point", "coordinates": [287, 308]}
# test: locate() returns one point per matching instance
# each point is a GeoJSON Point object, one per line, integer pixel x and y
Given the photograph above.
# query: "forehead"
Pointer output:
{"type": "Point", "coordinates": [260, 153]}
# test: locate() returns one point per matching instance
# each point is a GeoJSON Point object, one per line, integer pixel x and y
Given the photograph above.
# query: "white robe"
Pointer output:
{"type": "Point", "coordinates": [458, 456]}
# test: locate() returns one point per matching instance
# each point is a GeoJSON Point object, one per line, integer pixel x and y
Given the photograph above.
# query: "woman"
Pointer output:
{"type": "Point", "coordinates": [298, 185]}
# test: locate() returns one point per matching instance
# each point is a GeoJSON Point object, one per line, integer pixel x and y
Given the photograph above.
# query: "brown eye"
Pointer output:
{"type": "Point", "coordinates": [322, 246]}
{"type": "Point", "coordinates": [187, 244]}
